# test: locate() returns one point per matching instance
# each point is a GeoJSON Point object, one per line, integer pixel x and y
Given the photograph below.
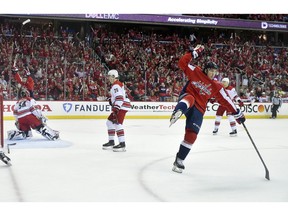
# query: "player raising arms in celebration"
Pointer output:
{"type": "Point", "coordinates": [193, 99]}
{"type": "Point", "coordinates": [222, 109]}
{"type": "Point", "coordinates": [120, 105]}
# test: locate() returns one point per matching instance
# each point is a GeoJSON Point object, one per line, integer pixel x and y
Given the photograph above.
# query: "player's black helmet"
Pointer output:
{"type": "Point", "coordinates": [210, 65]}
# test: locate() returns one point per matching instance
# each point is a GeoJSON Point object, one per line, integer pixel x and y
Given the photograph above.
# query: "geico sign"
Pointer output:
{"type": "Point", "coordinates": [253, 108]}
{"type": "Point", "coordinates": [43, 108]}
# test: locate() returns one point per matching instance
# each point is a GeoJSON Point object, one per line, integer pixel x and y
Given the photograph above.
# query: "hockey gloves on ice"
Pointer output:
{"type": "Point", "coordinates": [239, 116]}
{"type": "Point", "coordinates": [196, 51]}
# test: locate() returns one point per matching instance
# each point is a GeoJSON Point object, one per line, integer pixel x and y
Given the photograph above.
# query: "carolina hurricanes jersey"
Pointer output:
{"type": "Point", "coordinates": [202, 87]}
{"type": "Point", "coordinates": [119, 98]}
{"type": "Point", "coordinates": [26, 106]}
{"type": "Point", "coordinates": [231, 91]}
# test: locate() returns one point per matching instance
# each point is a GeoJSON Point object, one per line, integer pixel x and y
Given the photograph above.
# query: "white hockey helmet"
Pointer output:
{"type": "Point", "coordinates": [226, 80]}
{"type": "Point", "coordinates": [113, 73]}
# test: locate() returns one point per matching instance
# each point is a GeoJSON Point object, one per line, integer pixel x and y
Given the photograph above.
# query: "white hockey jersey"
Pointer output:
{"type": "Point", "coordinates": [26, 106]}
{"type": "Point", "coordinates": [119, 98]}
{"type": "Point", "coordinates": [231, 91]}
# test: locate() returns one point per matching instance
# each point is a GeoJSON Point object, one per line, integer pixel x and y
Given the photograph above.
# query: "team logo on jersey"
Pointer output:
{"type": "Point", "coordinates": [67, 107]}
{"type": "Point", "coordinates": [203, 88]}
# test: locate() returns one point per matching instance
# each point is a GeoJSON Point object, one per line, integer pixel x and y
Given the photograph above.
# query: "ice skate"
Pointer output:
{"type": "Point", "coordinates": [175, 116]}
{"type": "Point", "coordinates": [120, 147]}
{"type": "Point", "coordinates": [178, 165]}
{"type": "Point", "coordinates": [108, 145]}
{"type": "Point", "coordinates": [233, 133]}
{"type": "Point", "coordinates": [4, 158]}
{"type": "Point", "coordinates": [56, 137]}
{"type": "Point", "coordinates": [215, 132]}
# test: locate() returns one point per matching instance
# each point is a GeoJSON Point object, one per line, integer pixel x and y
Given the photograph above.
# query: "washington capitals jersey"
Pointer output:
{"type": "Point", "coordinates": [201, 87]}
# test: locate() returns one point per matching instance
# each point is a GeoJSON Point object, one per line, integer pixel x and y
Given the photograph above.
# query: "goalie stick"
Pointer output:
{"type": "Point", "coordinates": [267, 176]}
{"type": "Point", "coordinates": [8, 146]}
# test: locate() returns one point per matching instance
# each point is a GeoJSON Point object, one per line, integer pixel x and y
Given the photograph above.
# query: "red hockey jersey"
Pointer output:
{"type": "Point", "coordinates": [202, 87]}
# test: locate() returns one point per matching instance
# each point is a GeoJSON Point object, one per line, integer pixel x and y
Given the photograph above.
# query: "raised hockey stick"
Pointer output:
{"type": "Point", "coordinates": [15, 59]}
{"type": "Point", "coordinates": [267, 176]}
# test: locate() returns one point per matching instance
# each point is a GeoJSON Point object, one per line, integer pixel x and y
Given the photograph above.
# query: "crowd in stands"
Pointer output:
{"type": "Point", "coordinates": [70, 65]}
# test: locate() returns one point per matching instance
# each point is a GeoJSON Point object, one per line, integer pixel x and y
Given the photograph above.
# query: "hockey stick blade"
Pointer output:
{"type": "Point", "coordinates": [8, 147]}
{"type": "Point", "coordinates": [267, 176]}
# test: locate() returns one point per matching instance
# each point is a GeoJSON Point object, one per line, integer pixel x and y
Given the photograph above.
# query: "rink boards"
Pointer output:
{"type": "Point", "coordinates": [139, 110]}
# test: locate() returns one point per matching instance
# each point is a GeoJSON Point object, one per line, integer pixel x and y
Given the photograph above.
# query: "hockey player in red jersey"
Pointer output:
{"type": "Point", "coordinates": [192, 102]}
{"type": "Point", "coordinates": [231, 92]}
{"type": "Point", "coordinates": [28, 117]}
{"type": "Point", "coordinates": [120, 105]}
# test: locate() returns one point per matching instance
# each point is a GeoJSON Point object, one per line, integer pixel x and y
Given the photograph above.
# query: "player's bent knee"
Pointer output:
{"type": "Point", "coordinates": [189, 99]}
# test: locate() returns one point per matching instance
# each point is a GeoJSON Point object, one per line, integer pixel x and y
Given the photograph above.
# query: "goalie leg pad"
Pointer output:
{"type": "Point", "coordinates": [48, 133]}
{"type": "Point", "coordinates": [16, 135]}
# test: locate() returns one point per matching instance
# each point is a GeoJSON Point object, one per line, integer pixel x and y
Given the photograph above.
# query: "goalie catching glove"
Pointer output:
{"type": "Point", "coordinates": [239, 116]}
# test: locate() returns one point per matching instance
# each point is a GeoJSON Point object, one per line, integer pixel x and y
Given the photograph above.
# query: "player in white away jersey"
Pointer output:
{"type": "Point", "coordinates": [120, 106]}
{"type": "Point", "coordinates": [231, 92]}
{"type": "Point", "coordinates": [28, 117]}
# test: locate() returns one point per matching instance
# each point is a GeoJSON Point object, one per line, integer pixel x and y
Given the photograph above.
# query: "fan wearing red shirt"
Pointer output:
{"type": "Point", "coordinates": [26, 82]}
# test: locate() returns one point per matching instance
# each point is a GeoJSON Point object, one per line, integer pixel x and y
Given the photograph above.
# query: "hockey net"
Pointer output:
{"type": "Point", "coordinates": [1, 119]}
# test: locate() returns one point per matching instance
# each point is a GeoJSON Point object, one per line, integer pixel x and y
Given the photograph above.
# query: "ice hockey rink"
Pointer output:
{"type": "Point", "coordinates": [219, 168]}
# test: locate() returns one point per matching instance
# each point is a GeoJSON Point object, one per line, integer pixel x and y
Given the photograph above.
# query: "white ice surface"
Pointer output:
{"type": "Point", "coordinates": [218, 169]}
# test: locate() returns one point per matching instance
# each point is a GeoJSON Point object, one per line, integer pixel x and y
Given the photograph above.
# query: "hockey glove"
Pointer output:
{"type": "Point", "coordinates": [239, 116]}
{"type": "Point", "coordinates": [196, 51]}
{"type": "Point", "coordinates": [212, 100]}
{"type": "Point", "coordinates": [110, 102]}
{"type": "Point", "coordinates": [240, 103]}
{"type": "Point", "coordinates": [115, 111]}
{"type": "Point", "coordinates": [43, 120]}
{"type": "Point", "coordinates": [14, 70]}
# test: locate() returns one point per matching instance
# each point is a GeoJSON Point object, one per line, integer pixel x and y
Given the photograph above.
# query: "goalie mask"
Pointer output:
{"type": "Point", "coordinates": [23, 92]}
